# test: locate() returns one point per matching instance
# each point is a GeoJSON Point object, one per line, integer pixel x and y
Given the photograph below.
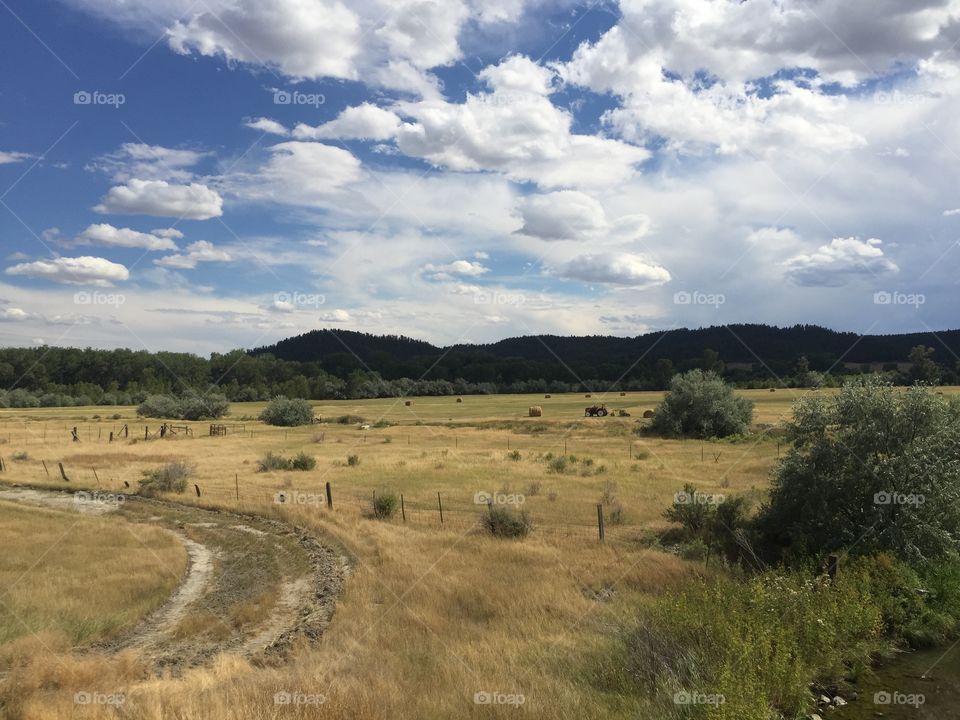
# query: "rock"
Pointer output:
{"type": "Point", "coordinates": [814, 716]}
{"type": "Point", "coordinates": [839, 701]}
{"type": "Point", "coordinates": [824, 700]}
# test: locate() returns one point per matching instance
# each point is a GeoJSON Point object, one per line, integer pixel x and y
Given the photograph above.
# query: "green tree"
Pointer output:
{"type": "Point", "coordinates": [701, 404]}
{"type": "Point", "coordinates": [873, 469]}
{"type": "Point", "coordinates": [922, 367]}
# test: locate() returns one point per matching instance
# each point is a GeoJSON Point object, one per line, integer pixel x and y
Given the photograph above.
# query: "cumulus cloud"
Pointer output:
{"type": "Point", "coordinates": [574, 215]}
{"type": "Point", "coordinates": [304, 173]}
{"type": "Point", "coordinates": [458, 268]}
{"type": "Point", "coordinates": [615, 269]}
{"type": "Point", "coordinates": [160, 198]}
{"type": "Point", "coordinates": [85, 270]}
{"type": "Point", "coordinates": [951, 213]}
{"type": "Point", "coordinates": [14, 314]}
{"type": "Point", "coordinates": [843, 259]}
{"type": "Point", "coordinates": [266, 125]}
{"type": "Point", "coordinates": [110, 236]}
{"type": "Point", "coordinates": [520, 134]}
{"type": "Point", "coordinates": [335, 316]}
{"type": "Point", "coordinates": [362, 122]}
{"type": "Point", "coordinates": [196, 253]}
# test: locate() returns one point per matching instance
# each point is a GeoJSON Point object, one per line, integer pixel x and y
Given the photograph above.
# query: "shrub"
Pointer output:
{"type": "Point", "coordinates": [207, 407]}
{"type": "Point", "coordinates": [514, 455]}
{"type": "Point", "coordinates": [350, 420]}
{"type": "Point", "coordinates": [171, 477]}
{"type": "Point", "coordinates": [875, 469]}
{"type": "Point", "coordinates": [506, 523]}
{"type": "Point", "coordinates": [381, 423]}
{"type": "Point", "coordinates": [195, 407]}
{"type": "Point", "coordinates": [21, 456]}
{"type": "Point", "coordinates": [160, 406]}
{"type": "Point", "coordinates": [702, 405]}
{"type": "Point", "coordinates": [384, 506]}
{"type": "Point", "coordinates": [557, 464]}
{"type": "Point", "coordinates": [287, 412]}
{"type": "Point", "coordinates": [353, 460]}
{"type": "Point", "coordinates": [301, 461]}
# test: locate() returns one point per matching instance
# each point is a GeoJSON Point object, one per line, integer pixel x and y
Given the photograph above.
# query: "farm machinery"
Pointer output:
{"type": "Point", "coordinates": [596, 411]}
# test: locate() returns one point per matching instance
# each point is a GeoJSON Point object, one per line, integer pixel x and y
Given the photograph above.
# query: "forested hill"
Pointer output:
{"type": "Point", "coordinates": [554, 357]}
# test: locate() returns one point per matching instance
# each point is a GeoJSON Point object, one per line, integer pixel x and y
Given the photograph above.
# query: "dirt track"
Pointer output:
{"type": "Point", "coordinates": [241, 567]}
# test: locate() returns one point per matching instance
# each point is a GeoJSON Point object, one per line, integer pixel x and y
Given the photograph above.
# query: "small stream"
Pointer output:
{"type": "Point", "coordinates": [912, 686]}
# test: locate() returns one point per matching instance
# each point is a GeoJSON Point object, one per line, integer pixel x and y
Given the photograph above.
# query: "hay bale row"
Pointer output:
{"type": "Point", "coordinates": [648, 413]}
{"type": "Point", "coordinates": [535, 411]}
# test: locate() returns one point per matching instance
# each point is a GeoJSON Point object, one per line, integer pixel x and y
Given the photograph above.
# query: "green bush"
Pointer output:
{"type": "Point", "coordinates": [165, 407]}
{"type": "Point", "coordinates": [300, 461]}
{"type": "Point", "coordinates": [384, 506]}
{"type": "Point", "coordinates": [875, 469]}
{"type": "Point", "coordinates": [287, 412]}
{"type": "Point", "coordinates": [701, 404]}
{"type": "Point", "coordinates": [192, 407]}
{"type": "Point", "coordinates": [506, 523]}
{"type": "Point", "coordinates": [557, 464]}
{"type": "Point", "coordinates": [171, 477]}
{"type": "Point", "coordinates": [353, 460]}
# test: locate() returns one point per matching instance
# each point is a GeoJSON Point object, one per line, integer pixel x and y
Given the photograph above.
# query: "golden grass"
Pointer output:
{"type": "Point", "coordinates": [432, 614]}
{"type": "Point", "coordinates": [84, 577]}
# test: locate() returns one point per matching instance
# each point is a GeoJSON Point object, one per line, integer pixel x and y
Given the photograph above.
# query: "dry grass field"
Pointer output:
{"type": "Point", "coordinates": [432, 614]}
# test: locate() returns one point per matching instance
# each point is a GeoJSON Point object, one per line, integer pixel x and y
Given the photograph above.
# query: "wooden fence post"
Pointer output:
{"type": "Point", "coordinates": [45, 468]}
{"type": "Point", "coordinates": [329, 498]}
{"type": "Point", "coordinates": [403, 510]}
{"type": "Point", "coordinates": [63, 474]}
{"type": "Point", "coordinates": [833, 566]}
{"type": "Point", "coordinates": [197, 488]}
{"type": "Point", "coordinates": [600, 521]}
{"type": "Point", "coordinates": [440, 505]}
{"type": "Point", "coordinates": [236, 482]}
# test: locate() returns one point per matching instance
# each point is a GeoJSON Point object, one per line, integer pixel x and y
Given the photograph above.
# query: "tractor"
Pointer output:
{"type": "Point", "coordinates": [596, 411]}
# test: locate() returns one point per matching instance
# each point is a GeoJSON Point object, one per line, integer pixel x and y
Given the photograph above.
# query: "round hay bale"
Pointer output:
{"type": "Point", "coordinates": [588, 395]}
{"type": "Point", "coordinates": [408, 403]}
{"type": "Point", "coordinates": [623, 394]}
{"type": "Point", "coordinates": [459, 399]}
{"type": "Point", "coordinates": [535, 411]}
{"type": "Point", "coordinates": [648, 413]}
{"type": "Point", "coordinates": [548, 396]}
{"type": "Point", "coordinates": [773, 389]}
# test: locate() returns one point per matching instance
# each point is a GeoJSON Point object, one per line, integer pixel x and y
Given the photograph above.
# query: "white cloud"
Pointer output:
{"type": "Point", "coordinates": [171, 233]}
{"type": "Point", "coordinates": [522, 135]}
{"type": "Point", "coordinates": [460, 268]}
{"type": "Point", "coordinates": [7, 158]}
{"type": "Point", "coordinates": [615, 269]}
{"type": "Point", "coordinates": [520, 74]}
{"type": "Point", "coordinates": [335, 316]}
{"type": "Point", "coordinates": [299, 173]}
{"type": "Point", "coordinates": [110, 236]}
{"type": "Point", "coordinates": [363, 122]}
{"type": "Point", "coordinates": [300, 38]}
{"type": "Point", "coordinates": [13, 314]}
{"type": "Point", "coordinates": [83, 270]}
{"type": "Point", "coordinates": [158, 197]}
{"type": "Point", "coordinates": [834, 264]}
{"type": "Point", "coordinates": [266, 125]}
{"type": "Point", "coordinates": [198, 252]}
{"type": "Point", "coordinates": [951, 213]}
{"type": "Point", "coordinates": [563, 215]}
{"type": "Point", "coordinates": [147, 162]}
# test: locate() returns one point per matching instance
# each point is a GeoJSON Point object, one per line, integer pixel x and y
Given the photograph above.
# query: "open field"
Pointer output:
{"type": "Point", "coordinates": [432, 613]}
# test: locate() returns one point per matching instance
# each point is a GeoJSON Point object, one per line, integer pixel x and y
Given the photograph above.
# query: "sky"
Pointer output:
{"type": "Point", "coordinates": [204, 175]}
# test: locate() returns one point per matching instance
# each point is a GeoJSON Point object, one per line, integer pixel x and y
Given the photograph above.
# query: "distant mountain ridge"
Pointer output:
{"type": "Point", "coordinates": [777, 349]}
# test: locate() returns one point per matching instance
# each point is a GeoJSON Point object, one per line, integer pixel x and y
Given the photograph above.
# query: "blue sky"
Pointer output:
{"type": "Point", "coordinates": [211, 174]}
